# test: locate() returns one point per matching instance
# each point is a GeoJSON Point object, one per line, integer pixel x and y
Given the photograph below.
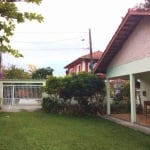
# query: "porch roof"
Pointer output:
{"type": "Point", "coordinates": [128, 24]}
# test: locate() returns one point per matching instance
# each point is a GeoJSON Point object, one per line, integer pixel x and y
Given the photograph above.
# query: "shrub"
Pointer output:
{"type": "Point", "coordinates": [120, 107]}
{"type": "Point", "coordinates": [50, 104]}
{"type": "Point", "coordinates": [84, 87]}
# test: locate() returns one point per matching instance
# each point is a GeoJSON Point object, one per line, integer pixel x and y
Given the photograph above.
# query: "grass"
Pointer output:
{"type": "Point", "coordinates": [43, 131]}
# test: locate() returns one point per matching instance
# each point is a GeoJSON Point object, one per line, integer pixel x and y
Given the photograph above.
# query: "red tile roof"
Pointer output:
{"type": "Point", "coordinates": [96, 55]}
{"type": "Point", "coordinates": [128, 24]}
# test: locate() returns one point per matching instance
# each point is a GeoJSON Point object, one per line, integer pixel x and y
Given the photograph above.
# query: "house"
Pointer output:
{"type": "Point", "coordinates": [127, 56]}
{"type": "Point", "coordinates": [82, 63]}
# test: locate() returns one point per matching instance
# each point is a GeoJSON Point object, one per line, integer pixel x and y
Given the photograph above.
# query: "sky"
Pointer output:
{"type": "Point", "coordinates": [59, 39]}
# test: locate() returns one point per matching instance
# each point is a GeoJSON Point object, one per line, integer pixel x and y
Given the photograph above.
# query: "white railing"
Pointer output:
{"type": "Point", "coordinates": [21, 95]}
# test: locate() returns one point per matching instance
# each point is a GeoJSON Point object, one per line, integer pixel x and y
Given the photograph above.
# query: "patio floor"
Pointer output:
{"type": "Point", "coordinates": [124, 121]}
{"type": "Point", "coordinates": [141, 119]}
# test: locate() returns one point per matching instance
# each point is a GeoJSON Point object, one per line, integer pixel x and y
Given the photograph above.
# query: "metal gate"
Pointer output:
{"type": "Point", "coordinates": [21, 96]}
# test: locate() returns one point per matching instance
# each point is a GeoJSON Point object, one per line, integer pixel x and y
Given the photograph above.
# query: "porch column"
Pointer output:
{"type": "Point", "coordinates": [108, 96]}
{"type": "Point", "coordinates": [132, 98]}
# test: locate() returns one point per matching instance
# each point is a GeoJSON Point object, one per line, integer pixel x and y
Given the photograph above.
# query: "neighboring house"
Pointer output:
{"type": "Point", "coordinates": [128, 56]}
{"type": "Point", "coordinates": [82, 63]}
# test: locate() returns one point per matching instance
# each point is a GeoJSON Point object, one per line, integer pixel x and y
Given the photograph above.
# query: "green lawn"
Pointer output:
{"type": "Point", "coordinates": [43, 131]}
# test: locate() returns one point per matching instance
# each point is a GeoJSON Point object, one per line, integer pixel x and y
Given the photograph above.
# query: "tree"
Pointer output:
{"type": "Point", "coordinates": [10, 15]}
{"type": "Point", "coordinates": [143, 6]}
{"type": "Point", "coordinates": [52, 85]}
{"type": "Point", "coordinates": [15, 73]}
{"type": "Point", "coordinates": [42, 73]}
{"type": "Point", "coordinates": [81, 86]}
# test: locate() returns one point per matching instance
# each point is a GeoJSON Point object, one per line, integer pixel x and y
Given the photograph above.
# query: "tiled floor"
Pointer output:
{"type": "Point", "coordinates": [141, 119]}
{"type": "Point", "coordinates": [137, 127]}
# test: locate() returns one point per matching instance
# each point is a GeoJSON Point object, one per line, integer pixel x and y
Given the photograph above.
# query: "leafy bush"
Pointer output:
{"type": "Point", "coordinates": [54, 106]}
{"type": "Point", "coordinates": [120, 107]}
{"type": "Point", "coordinates": [50, 104]}
{"type": "Point", "coordinates": [84, 87]}
{"type": "Point", "coordinates": [42, 73]}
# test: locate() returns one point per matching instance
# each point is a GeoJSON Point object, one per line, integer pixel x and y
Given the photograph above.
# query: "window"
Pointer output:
{"type": "Point", "coordinates": [79, 68]}
{"type": "Point", "coordinates": [71, 70]}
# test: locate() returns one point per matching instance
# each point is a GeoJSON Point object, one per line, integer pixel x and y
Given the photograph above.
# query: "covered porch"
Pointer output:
{"type": "Point", "coordinates": [139, 95]}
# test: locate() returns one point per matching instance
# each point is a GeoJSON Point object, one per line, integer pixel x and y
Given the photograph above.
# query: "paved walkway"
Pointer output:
{"type": "Point", "coordinates": [29, 108]}
{"type": "Point", "coordinates": [134, 126]}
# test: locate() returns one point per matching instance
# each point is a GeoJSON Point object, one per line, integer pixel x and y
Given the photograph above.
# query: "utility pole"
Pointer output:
{"type": "Point", "coordinates": [91, 55]}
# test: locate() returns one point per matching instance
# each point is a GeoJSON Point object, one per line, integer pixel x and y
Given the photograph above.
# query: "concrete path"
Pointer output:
{"type": "Point", "coordinates": [133, 126]}
{"type": "Point", "coordinates": [19, 108]}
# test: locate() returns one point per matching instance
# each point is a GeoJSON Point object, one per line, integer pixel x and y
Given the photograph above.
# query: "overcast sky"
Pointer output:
{"type": "Point", "coordinates": [58, 41]}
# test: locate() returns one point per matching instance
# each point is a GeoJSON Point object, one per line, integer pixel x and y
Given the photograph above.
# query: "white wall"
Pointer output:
{"type": "Point", "coordinates": [137, 45]}
{"type": "Point", "coordinates": [145, 87]}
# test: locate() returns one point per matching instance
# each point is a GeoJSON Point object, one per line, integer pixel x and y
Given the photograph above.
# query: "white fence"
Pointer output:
{"type": "Point", "coordinates": [17, 95]}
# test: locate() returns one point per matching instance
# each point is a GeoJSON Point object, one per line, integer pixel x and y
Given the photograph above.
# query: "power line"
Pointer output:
{"type": "Point", "coordinates": [48, 42]}
{"type": "Point", "coordinates": [61, 40]}
{"type": "Point", "coordinates": [49, 32]}
{"type": "Point", "coordinates": [46, 49]}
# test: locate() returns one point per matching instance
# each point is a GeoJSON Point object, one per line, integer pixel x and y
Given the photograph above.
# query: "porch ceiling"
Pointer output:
{"type": "Point", "coordinates": [128, 24]}
{"type": "Point", "coordinates": [143, 75]}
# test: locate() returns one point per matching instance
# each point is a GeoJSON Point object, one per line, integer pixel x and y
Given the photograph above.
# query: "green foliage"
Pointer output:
{"type": "Point", "coordinates": [52, 85]}
{"type": "Point", "coordinates": [66, 87]}
{"type": "Point", "coordinates": [120, 107]}
{"type": "Point", "coordinates": [10, 15]}
{"type": "Point", "coordinates": [42, 73]}
{"type": "Point", "coordinates": [16, 73]}
{"type": "Point", "coordinates": [34, 1]}
{"type": "Point", "coordinates": [126, 90]}
{"type": "Point", "coordinates": [85, 88]}
{"type": "Point", "coordinates": [80, 85]}
{"type": "Point", "coordinates": [28, 1]}
{"type": "Point", "coordinates": [54, 104]}
{"type": "Point", "coordinates": [50, 104]}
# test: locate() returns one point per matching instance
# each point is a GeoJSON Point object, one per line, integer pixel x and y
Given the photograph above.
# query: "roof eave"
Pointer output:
{"type": "Point", "coordinates": [102, 64]}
